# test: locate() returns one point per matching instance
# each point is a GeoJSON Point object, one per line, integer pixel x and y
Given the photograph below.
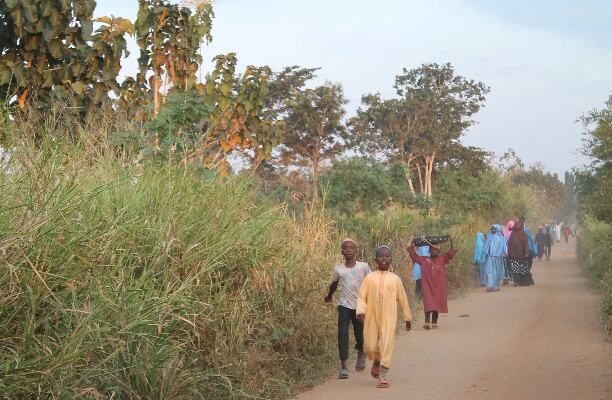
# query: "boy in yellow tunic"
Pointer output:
{"type": "Point", "coordinates": [377, 305]}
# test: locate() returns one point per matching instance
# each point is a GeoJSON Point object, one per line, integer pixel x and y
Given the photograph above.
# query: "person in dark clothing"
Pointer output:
{"type": "Point", "coordinates": [550, 231]}
{"type": "Point", "coordinates": [518, 253]}
{"type": "Point", "coordinates": [540, 240]}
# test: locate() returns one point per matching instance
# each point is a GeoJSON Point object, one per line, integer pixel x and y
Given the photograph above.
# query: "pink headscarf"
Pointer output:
{"type": "Point", "coordinates": [508, 229]}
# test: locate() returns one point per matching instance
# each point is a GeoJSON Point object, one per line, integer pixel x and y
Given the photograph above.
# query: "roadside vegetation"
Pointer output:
{"type": "Point", "coordinates": [592, 186]}
{"type": "Point", "coordinates": [174, 240]}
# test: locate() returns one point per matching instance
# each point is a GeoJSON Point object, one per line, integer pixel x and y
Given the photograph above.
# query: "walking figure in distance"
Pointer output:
{"type": "Point", "coordinates": [540, 240]}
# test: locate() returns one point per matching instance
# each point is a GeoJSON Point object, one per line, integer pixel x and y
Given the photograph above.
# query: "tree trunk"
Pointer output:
{"type": "Point", "coordinates": [156, 80]}
{"type": "Point", "coordinates": [426, 172]}
{"type": "Point", "coordinates": [418, 167]}
{"type": "Point", "coordinates": [429, 161]}
{"type": "Point", "coordinates": [315, 180]}
{"type": "Point", "coordinates": [409, 175]}
{"type": "Point", "coordinates": [156, 102]}
{"type": "Point", "coordinates": [255, 162]}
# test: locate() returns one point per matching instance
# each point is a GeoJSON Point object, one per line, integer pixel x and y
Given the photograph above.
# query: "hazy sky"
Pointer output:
{"type": "Point", "coordinates": [547, 62]}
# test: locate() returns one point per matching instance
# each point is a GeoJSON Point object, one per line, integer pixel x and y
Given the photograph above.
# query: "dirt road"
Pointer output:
{"type": "Point", "coordinates": [541, 342]}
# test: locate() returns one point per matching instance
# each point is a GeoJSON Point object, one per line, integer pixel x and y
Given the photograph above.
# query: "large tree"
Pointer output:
{"type": "Point", "coordinates": [446, 102]}
{"type": "Point", "coordinates": [433, 110]}
{"type": "Point", "coordinates": [389, 128]}
{"type": "Point", "coordinates": [315, 128]}
{"type": "Point", "coordinates": [282, 87]}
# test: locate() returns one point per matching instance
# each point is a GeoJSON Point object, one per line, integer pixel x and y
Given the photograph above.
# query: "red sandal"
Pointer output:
{"type": "Point", "coordinates": [383, 383]}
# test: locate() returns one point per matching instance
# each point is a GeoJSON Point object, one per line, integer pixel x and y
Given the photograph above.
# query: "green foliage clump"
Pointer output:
{"type": "Point", "coordinates": [459, 191]}
{"type": "Point", "coordinates": [49, 52]}
{"type": "Point", "coordinates": [361, 185]}
{"type": "Point", "coordinates": [593, 192]}
{"type": "Point", "coordinates": [593, 184]}
{"type": "Point", "coordinates": [154, 281]}
{"type": "Point", "coordinates": [595, 252]}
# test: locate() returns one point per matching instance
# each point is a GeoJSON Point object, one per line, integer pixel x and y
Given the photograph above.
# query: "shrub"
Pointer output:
{"type": "Point", "coordinates": [595, 253]}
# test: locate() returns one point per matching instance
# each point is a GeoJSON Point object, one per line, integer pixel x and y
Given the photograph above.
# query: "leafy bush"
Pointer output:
{"type": "Point", "coordinates": [357, 185]}
{"type": "Point", "coordinates": [458, 190]}
{"type": "Point", "coordinates": [595, 252]}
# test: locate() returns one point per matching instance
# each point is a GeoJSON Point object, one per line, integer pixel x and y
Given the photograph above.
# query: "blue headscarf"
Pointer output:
{"type": "Point", "coordinates": [532, 244]}
{"type": "Point", "coordinates": [500, 229]}
{"type": "Point", "coordinates": [496, 243]}
{"type": "Point", "coordinates": [416, 270]}
{"type": "Point", "coordinates": [479, 256]}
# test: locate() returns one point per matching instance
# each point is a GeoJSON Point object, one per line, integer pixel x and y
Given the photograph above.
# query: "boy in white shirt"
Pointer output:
{"type": "Point", "coordinates": [349, 275]}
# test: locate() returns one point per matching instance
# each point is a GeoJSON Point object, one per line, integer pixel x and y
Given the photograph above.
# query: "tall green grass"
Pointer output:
{"type": "Point", "coordinates": [159, 281]}
{"type": "Point", "coordinates": [595, 253]}
{"type": "Point", "coordinates": [154, 282]}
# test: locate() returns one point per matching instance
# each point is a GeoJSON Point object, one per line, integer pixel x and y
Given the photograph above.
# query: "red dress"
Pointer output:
{"type": "Point", "coordinates": [434, 280]}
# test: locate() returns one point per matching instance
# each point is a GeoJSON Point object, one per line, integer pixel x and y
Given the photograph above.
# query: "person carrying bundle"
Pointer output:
{"type": "Point", "coordinates": [434, 280]}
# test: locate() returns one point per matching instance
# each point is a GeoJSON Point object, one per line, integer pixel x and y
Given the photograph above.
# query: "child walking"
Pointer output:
{"type": "Point", "coordinates": [434, 281]}
{"type": "Point", "coordinates": [349, 276]}
{"type": "Point", "coordinates": [377, 306]}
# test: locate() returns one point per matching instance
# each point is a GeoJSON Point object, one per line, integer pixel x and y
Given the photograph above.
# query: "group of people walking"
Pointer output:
{"type": "Point", "coordinates": [505, 255]}
{"type": "Point", "coordinates": [368, 301]}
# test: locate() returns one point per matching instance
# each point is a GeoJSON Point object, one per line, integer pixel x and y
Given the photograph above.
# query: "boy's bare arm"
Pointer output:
{"type": "Point", "coordinates": [332, 289]}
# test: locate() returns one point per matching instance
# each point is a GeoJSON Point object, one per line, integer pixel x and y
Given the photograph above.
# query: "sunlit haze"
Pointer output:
{"type": "Point", "coordinates": [546, 62]}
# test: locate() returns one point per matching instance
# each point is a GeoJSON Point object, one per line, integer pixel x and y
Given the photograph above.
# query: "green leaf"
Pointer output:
{"type": "Point", "coordinates": [56, 49]}
{"type": "Point", "coordinates": [86, 29]}
{"type": "Point", "coordinates": [79, 87]}
{"type": "Point", "coordinates": [30, 12]}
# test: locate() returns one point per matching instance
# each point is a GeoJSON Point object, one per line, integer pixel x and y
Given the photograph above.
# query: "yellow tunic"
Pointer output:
{"type": "Point", "coordinates": [378, 297]}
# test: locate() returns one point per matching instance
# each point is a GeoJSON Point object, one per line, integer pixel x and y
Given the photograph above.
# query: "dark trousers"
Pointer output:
{"type": "Point", "coordinates": [431, 316]}
{"type": "Point", "coordinates": [547, 250]}
{"type": "Point", "coordinates": [418, 289]}
{"type": "Point", "coordinates": [345, 317]}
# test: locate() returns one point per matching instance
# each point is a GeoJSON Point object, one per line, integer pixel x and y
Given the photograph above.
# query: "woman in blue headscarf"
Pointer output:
{"type": "Point", "coordinates": [494, 251]}
{"type": "Point", "coordinates": [478, 257]}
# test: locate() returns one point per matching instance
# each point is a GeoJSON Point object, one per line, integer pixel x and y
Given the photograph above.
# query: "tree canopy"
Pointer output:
{"type": "Point", "coordinates": [49, 51]}
{"type": "Point", "coordinates": [315, 128]}
{"type": "Point", "coordinates": [594, 183]}
{"type": "Point", "coordinates": [433, 110]}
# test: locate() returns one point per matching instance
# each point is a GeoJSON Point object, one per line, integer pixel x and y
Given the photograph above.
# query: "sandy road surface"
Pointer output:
{"type": "Point", "coordinates": [540, 342]}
